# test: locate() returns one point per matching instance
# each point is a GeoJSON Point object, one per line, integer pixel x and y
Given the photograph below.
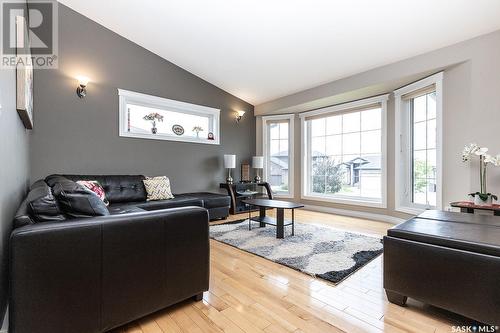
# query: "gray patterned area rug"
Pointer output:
{"type": "Point", "coordinates": [320, 251]}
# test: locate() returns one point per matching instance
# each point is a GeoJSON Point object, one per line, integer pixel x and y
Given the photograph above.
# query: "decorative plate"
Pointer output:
{"type": "Point", "coordinates": [178, 129]}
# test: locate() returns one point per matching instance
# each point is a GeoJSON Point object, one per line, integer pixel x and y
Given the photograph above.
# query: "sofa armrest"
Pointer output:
{"type": "Point", "coordinates": [102, 272]}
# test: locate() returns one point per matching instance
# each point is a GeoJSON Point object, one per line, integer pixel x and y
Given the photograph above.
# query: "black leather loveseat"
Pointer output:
{"type": "Point", "coordinates": [90, 274]}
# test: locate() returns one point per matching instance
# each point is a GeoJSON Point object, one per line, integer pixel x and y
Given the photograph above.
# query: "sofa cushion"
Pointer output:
{"type": "Point", "coordinates": [76, 200]}
{"type": "Point", "coordinates": [211, 200]}
{"type": "Point", "coordinates": [119, 209]}
{"type": "Point", "coordinates": [119, 188]}
{"type": "Point", "coordinates": [178, 201]}
{"type": "Point", "coordinates": [23, 216]}
{"type": "Point", "coordinates": [42, 205]}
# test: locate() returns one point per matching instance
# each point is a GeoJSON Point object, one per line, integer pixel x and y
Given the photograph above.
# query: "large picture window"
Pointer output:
{"type": "Point", "coordinates": [345, 153]}
{"type": "Point", "coordinates": [278, 153]}
{"type": "Point", "coordinates": [418, 145]}
{"type": "Point", "coordinates": [150, 117]}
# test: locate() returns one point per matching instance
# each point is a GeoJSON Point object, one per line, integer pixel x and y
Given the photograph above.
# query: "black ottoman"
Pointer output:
{"type": "Point", "coordinates": [449, 260]}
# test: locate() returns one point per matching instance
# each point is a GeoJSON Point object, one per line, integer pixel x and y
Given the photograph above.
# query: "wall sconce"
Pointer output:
{"type": "Point", "coordinates": [239, 115]}
{"type": "Point", "coordinates": [81, 90]}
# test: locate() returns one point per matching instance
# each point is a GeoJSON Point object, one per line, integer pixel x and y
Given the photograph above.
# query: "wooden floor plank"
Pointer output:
{"type": "Point", "coordinates": [149, 325]}
{"type": "Point", "coordinates": [167, 324]}
{"type": "Point", "coordinates": [203, 322]}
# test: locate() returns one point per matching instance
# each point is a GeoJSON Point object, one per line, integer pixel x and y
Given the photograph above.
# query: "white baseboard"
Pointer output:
{"type": "Point", "coordinates": [5, 326]}
{"type": "Point", "coordinates": [354, 213]}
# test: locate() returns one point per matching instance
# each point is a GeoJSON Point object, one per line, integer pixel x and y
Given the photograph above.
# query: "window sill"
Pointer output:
{"type": "Point", "coordinates": [354, 202]}
{"type": "Point", "coordinates": [410, 210]}
{"type": "Point", "coordinates": [168, 138]}
{"type": "Point", "coordinates": [282, 195]}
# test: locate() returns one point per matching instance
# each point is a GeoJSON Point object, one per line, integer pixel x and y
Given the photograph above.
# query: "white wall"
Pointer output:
{"type": "Point", "coordinates": [14, 171]}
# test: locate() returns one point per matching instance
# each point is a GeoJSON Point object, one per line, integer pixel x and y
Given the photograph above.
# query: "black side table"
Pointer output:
{"type": "Point", "coordinates": [240, 191]}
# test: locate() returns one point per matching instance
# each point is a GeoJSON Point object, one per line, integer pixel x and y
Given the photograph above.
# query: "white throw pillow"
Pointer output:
{"type": "Point", "coordinates": [158, 188]}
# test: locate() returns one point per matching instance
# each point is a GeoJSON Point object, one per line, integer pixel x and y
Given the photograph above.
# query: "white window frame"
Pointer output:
{"type": "Point", "coordinates": [126, 97]}
{"type": "Point", "coordinates": [265, 150]}
{"type": "Point", "coordinates": [340, 108]}
{"type": "Point", "coordinates": [402, 190]}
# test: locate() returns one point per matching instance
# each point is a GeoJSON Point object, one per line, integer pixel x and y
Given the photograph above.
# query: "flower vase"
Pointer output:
{"type": "Point", "coordinates": [480, 202]}
{"type": "Point", "coordinates": [154, 130]}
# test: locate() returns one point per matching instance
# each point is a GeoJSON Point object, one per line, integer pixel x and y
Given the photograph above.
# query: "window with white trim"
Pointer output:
{"type": "Point", "coordinates": [278, 153]}
{"type": "Point", "coordinates": [344, 158]}
{"type": "Point", "coordinates": [418, 145]}
{"type": "Point", "coordinates": [150, 117]}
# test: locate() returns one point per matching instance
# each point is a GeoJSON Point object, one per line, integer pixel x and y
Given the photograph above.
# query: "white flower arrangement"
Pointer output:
{"type": "Point", "coordinates": [472, 150]}
{"type": "Point", "coordinates": [197, 130]}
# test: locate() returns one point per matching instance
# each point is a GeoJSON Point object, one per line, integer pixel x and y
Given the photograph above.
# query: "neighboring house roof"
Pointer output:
{"type": "Point", "coordinates": [282, 164]}
{"type": "Point", "coordinates": [365, 163]}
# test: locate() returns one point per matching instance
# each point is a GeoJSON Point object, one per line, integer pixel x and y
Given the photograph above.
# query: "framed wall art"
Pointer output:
{"type": "Point", "coordinates": [24, 76]}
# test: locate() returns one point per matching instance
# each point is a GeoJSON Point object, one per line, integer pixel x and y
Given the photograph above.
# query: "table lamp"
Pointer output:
{"type": "Point", "coordinates": [258, 163]}
{"type": "Point", "coordinates": [229, 163]}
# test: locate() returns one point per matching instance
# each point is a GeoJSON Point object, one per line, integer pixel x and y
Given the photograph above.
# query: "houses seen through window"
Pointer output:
{"type": "Point", "coordinates": [345, 155]}
{"type": "Point", "coordinates": [278, 159]}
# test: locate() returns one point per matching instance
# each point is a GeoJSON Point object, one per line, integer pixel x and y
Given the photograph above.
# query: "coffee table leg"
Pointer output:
{"type": "Point", "coordinates": [262, 213]}
{"type": "Point", "coordinates": [280, 221]}
{"type": "Point", "coordinates": [293, 222]}
{"type": "Point", "coordinates": [249, 218]}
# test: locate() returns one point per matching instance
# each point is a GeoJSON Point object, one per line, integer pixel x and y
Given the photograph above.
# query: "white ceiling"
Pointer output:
{"type": "Point", "coordinates": [260, 50]}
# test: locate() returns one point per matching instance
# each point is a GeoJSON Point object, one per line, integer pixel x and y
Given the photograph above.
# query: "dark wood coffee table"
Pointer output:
{"type": "Point", "coordinates": [279, 222]}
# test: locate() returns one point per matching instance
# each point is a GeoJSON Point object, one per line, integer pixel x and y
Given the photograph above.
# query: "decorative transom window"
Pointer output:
{"type": "Point", "coordinates": [278, 153]}
{"type": "Point", "coordinates": [150, 117]}
{"type": "Point", "coordinates": [418, 145]}
{"type": "Point", "coordinates": [344, 158]}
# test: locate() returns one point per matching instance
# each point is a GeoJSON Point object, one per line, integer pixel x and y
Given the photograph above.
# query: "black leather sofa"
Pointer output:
{"type": "Point", "coordinates": [126, 191]}
{"type": "Point", "coordinates": [92, 274]}
{"type": "Point", "coordinates": [449, 260]}
{"type": "Point", "coordinates": [126, 194]}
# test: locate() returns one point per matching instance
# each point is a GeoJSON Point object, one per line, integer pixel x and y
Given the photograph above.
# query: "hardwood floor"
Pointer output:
{"type": "Point", "coordinates": [251, 294]}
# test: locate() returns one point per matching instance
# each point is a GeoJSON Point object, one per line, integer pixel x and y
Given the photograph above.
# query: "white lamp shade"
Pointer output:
{"type": "Point", "coordinates": [229, 161]}
{"type": "Point", "coordinates": [258, 162]}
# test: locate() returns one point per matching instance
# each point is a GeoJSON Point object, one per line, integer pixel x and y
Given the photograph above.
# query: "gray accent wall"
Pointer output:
{"type": "Point", "coordinates": [73, 135]}
{"type": "Point", "coordinates": [471, 112]}
{"type": "Point", "coordinates": [14, 172]}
